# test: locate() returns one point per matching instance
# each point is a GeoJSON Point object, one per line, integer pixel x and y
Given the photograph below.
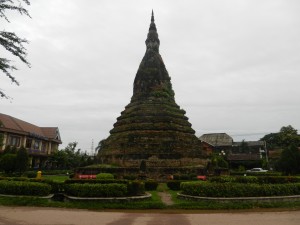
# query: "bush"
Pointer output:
{"type": "Point", "coordinates": [247, 179]}
{"type": "Point", "coordinates": [206, 189]}
{"type": "Point", "coordinates": [104, 176]}
{"type": "Point", "coordinates": [136, 188]}
{"type": "Point", "coordinates": [31, 174]}
{"type": "Point", "coordinates": [278, 179]}
{"type": "Point", "coordinates": [56, 186]}
{"type": "Point", "coordinates": [221, 179]}
{"type": "Point", "coordinates": [255, 179]}
{"type": "Point", "coordinates": [241, 173]}
{"type": "Point", "coordinates": [174, 184]}
{"type": "Point", "coordinates": [24, 188]}
{"type": "Point", "coordinates": [130, 177]}
{"type": "Point", "coordinates": [54, 172]}
{"type": "Point", "coordinates": [7, 163]}
{"type": "Point", "coordinates": [96, 190]}
{"type": "Point", "coordinates": [91, 181]}
{"type": "Point", "coordinates": [151, 185]}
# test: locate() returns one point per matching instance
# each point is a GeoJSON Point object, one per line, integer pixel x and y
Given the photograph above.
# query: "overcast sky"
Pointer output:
{"type": "Point", "coordinates": [234, 64]}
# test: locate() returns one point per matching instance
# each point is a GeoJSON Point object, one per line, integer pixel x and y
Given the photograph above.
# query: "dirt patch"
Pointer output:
{"type": "Point", "coordinates": [166, 198]}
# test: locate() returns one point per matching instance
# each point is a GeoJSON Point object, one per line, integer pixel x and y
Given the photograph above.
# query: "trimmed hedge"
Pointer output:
{"type": "Point", "coordinates": [241, 173]}
{"type": "Point", "coordinates": [256, 180]}
{"type": "Point", "coordinates": [207, 189]}
{"type": "Point", "coordinates": [96, 190]}
{"type": "Point", "coordinates": [55, 185]}
{"type": "Point", "coordinates": [151, 185]}
{"type": "Point", "coordinates": [174, 184]}
{"type": "Point", "coordinates": [104, 176]}
{"type": "Point", "coordinates": [278, 179]}
{"type": "Point", "coordinates": [24, 188]}
{"type": "Point", "coordinates": [136, 188]}
{"type": "Point", "coordinates": [95, 181]}
{"type": "Point", "coordinates": [33, 173]}
{"type": "Point", "coordinates": [234, 179]}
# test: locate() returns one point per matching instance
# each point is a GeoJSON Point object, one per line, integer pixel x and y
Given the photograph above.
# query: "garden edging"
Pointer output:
{"type": "Point", "coordinates": [28, 196]}
{"type": "Point", "coordinates": [111, 199]}
{"type": "Point", "coordinates": [289, 198]}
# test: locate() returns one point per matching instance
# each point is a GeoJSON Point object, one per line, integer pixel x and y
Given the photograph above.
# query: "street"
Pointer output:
{"type": "Point", "coordinates": [56, 216]}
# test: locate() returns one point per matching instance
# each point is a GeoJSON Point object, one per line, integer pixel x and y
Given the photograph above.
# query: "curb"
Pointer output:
{"type": "Point", "coordinates": [110, 199]}
{"type": "Point", "coordinates": [290, 198]}
{"type": "Point", "coordinates": [28, 196]}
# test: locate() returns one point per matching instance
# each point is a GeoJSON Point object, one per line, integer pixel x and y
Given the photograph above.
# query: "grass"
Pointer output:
{"type": "Point", "coordinates": [57, 178]}
{"type": "Point", "coordinates": [212, 205]}
{"type": "Point", "coordinates": [153, 203]}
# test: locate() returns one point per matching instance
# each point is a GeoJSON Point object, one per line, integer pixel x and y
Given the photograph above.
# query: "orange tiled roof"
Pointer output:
{"type": "Point", "coordinates": [13, 124]}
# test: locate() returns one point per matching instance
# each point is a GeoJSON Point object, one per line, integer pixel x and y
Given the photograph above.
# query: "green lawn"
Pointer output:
{"type": "Point", "coordinates": [56, 178]}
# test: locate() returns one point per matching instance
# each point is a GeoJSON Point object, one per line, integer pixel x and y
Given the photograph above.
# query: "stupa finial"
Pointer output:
{"type": "Point", "coordinates": [152, 41]}
{"type": "Point", "coordinates": [152, 16]}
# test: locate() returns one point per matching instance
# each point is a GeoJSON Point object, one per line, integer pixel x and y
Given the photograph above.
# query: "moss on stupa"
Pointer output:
{"type": "Point", "coordinates": [152, 126]}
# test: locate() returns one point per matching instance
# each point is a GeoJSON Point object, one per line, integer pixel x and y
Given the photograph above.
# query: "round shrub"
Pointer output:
{"type": "Point", "coordinates": [222, 179]}
{"type": "Point", "coordinates": [94, 181]}
{"type": "Point", "coordinates": [104, 176]}
{"type": "Point", "coordinates": [151, 185]}
{"type": "Point", "coordinates": [136, 188]}
{"type": "Point", "coordinates": [96, 190]}
{"type": "Point", "coordinates": [24, 188]}
{"type": "Point", "coordinates": [174, 184]}
{"type": "Point", "coordinates": [31, 174]}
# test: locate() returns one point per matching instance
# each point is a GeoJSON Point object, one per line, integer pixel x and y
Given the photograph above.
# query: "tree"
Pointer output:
{"type": "Point", "coordinates": [10, 150]}
{"type": "Point", "coordinates": [244, 147]}
{"type": "Point", "coordinates": [1, 139]}
{"type": "Point", "coordinates": [289, 160]}
{"type": "Point", "coordinates": [289, 136]}
{"type": "Point", "coordinates": [100, 145]}
{"type": "Point", "coordinates": [22, 160]}
{"type": "Point", "coordinates": [284, 138]}
{"type": "Point", "coordinates": [272, 140]}
{"type": "Point", "coordinates": [11, 42]}
{"type": "Point", "coordinates": [8, 163]}
{"type": "Point", "coordinates": [70, 157]}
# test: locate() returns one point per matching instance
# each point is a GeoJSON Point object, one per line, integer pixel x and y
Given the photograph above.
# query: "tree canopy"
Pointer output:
{"type": "Point", "coordinates": [289, 160]}
{"type": "Point", "coordinates": [11, 42]}
{"type": "Point", "coordinates": [69, 158]}
{"type": "Point", "coordinates": [284, 138]}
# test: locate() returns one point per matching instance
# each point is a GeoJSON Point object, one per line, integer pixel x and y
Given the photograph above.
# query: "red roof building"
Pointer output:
{"type": "Point", "coordinates": [40, 142]}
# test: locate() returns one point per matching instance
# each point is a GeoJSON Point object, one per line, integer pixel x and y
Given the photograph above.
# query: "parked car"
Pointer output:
{"type": "Point", "coordinates": [257, 170]}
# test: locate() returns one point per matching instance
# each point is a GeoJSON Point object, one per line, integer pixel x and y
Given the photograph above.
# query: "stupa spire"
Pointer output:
{"type": "Point", "coordinates": [152, 41]}
{"type": "Point", "coordinates": [152, 17]}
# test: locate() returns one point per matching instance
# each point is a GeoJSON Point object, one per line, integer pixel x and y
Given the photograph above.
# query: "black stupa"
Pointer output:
{"type": "Point", "coordinates": [152, 127]}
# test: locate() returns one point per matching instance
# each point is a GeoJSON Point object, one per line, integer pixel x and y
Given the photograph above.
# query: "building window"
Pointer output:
{"type": "Point", "coordinates": [44, 146]}
{"type": "Point", "coordinates": [14, 141]}
{"type": "Point", "coordinates": [28, 143]}
{"type": "Point", "coordinates": [36, 144]}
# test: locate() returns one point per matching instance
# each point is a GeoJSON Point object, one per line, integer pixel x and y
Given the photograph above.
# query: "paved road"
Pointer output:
{"type": "Point", "coordinates": [50, 216]}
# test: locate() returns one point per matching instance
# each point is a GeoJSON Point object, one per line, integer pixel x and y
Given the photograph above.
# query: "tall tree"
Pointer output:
{"type": "Point", "coordinates": [22, 160]}
{"type": "Point", "coordinates": [10, 41]}
{"type": "Point", "coordinates": [289, 136]}
{"type": "Point", "coordinates": [284, 138]}
{"type": "Point", "coordinates": [69, 157]}
{"type": "Point", "coordinates": [289, 160]}
{"type": "Point", "coordinates": [8, 163]}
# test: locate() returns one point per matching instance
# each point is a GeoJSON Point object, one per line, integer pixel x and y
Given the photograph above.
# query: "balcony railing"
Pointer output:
{"type": "Point", "coordinates": [37, 152]}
